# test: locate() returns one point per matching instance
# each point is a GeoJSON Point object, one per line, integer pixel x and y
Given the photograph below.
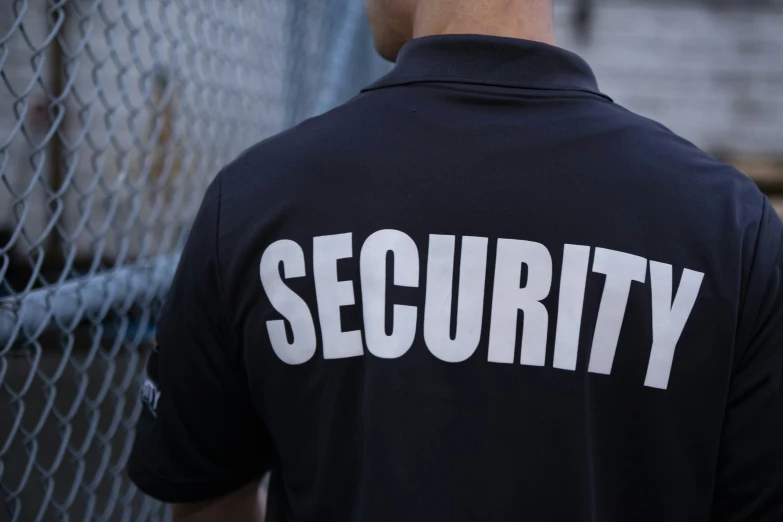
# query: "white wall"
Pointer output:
{"type": "Point", "coordinates": [712, 75]}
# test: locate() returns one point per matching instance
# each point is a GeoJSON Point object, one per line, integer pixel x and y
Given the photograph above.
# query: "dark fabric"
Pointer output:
{"type": "Point", "coordinates": [478, 291]}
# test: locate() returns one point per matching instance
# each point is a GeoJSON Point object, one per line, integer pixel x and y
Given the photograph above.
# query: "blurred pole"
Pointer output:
{"type": "Point", "coordinates": [583, 18]}
{"type": "Point", "coordinates": [339, 57]}
{"type": "Point", "coordinates": [296, 17]}
{"type": "Point", "coordinates": [58, 18]}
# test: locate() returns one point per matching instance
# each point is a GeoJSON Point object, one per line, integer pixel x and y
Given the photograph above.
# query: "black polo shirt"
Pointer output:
{"type": "Point", "coordinates": [478, 291]}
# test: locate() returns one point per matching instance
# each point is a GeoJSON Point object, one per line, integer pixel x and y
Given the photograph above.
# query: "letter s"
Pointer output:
{"type": "Point", "coordinates": [287, 303]}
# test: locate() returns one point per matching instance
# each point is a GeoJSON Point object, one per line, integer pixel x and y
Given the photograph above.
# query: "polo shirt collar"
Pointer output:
{"type": "Point", "coordinates": [490, 60]}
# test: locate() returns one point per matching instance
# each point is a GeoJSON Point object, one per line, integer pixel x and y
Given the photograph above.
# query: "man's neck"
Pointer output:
{"type": "Point", "coordinates": [525, 19]}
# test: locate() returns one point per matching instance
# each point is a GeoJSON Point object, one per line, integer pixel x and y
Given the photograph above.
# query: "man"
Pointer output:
{"type": "Point", "coordinates": [478, 291]}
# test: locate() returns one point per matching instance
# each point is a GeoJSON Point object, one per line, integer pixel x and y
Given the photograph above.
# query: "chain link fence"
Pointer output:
{"type": "Point", "coordinates": [114, 117]}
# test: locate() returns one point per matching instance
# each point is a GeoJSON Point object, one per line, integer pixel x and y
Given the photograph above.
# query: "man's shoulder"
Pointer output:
{"type": "Point", "coordinates": [306, 141]}
{"type": "Point", "coordinates": [666, 164]}
{"type": "Point", "coordinates": [646, 137]}
{"type": "Point", "coordinates": [303, 167]}
{"type": "Point", "coordinates": [296, 156]}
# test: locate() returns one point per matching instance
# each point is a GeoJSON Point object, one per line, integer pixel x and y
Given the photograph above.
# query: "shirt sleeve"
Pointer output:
{"type": "Point", "coordinates": [198, 436]}
{"type": "Point", "coordinates": [749, 483]}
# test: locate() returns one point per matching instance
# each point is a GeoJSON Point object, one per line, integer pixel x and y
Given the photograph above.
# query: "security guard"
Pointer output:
{"type": "Point", "coordinates": [479, 291]}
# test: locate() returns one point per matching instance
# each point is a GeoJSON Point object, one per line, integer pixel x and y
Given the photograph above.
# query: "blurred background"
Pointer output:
{"type": "Point", "coordinates": [116, 114]}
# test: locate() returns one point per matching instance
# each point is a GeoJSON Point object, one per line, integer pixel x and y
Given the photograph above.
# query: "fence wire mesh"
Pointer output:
{"type": "Point", "coordinates": [114, 117]}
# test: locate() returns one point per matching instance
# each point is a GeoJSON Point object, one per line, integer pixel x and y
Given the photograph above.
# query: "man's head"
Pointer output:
{"type": "Point", "coordinates": [394, 22]}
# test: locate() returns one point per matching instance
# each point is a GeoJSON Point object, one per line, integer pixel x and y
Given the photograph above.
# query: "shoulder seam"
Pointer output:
{"type": "Point", "coordinates": [219, 270]}
{"type": "Point", "coordinates": [762, 215]}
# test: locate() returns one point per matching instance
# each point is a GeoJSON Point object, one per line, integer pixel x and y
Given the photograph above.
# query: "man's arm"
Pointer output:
{"type": "Point", "coordinates": [247, 504]}
{"type": "Point", "coordinates": [749, 482]}
{"type": "Point", "coordinates": [200, 443]}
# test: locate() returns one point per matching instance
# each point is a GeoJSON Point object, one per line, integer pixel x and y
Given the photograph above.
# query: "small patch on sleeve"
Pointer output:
{"type": "Point", "coordinates": [150, 394]}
